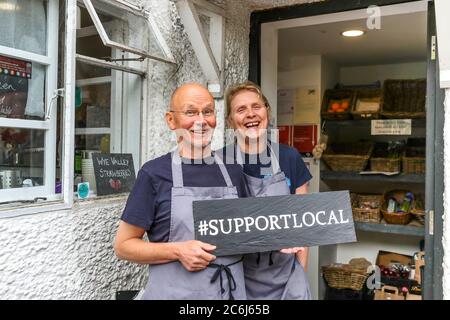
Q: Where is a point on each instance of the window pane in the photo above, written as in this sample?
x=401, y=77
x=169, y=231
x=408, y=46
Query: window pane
x=92, y=142
x=21, y=97
x=85, y=145
x=86, y=71
x=21, y=158
x=24, y=25
x=95, y=108
x=129, y=29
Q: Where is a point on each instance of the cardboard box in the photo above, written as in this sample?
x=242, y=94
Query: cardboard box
x=410, y=296
x=388, y=293
x=385, y=258
x=419, y=263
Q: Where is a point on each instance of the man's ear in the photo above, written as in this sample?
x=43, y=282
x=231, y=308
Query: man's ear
x=229, y=122
x=170, y=120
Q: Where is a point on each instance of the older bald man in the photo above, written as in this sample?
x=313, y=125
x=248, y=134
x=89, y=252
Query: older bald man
x=161, y=205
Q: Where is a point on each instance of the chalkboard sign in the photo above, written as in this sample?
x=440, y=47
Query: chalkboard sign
x=248, y=225
x=14, y=75
x=114, y=172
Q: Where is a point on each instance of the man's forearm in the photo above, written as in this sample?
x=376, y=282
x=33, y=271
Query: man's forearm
x=140, y=251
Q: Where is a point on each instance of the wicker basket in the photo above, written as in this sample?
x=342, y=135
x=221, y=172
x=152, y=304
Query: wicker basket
x=367, y=95
x=345, y=276
x=366, y=207
x=414, y=165
x=414, y=160
x=385, y=164
x=404, y=98
x=348, y=156
x=331, y=95
x=395, y=217
x=418, y=209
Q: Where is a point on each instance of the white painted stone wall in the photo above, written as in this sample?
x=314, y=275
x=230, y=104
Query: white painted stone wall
x=69, y=254
x=65, y=255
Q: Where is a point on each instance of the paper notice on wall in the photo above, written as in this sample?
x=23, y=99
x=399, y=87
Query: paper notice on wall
x=285, y=106
x=307, y=105
x=401, y=127
x=285, y=101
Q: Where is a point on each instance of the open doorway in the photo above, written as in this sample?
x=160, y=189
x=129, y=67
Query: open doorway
x=309, y=54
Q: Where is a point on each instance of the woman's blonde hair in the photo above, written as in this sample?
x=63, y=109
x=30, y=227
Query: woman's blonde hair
x=245, y=86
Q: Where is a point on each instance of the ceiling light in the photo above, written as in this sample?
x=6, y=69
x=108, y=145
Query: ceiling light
x=352, y=33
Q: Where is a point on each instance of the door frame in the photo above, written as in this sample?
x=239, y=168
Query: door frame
x=263, y=36
x=433, y=272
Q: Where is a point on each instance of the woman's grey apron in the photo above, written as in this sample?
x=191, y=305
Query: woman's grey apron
x=224, y=277
x=273, y=275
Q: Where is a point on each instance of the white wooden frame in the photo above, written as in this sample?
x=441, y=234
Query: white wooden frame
x=442, y=9
x=50, y=60
x=113, y=44
x=121, y=139
x=210, y=54
x=68, y=115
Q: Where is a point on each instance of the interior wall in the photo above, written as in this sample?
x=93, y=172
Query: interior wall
x=370, y=74
x=369, y=243
x=306, y=71
x=330, y=75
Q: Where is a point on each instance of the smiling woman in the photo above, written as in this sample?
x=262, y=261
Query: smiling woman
x=248, y=113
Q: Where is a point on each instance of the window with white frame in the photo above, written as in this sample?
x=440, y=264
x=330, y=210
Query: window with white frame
x=100, y=110
x=112, y=43
x=28, y=80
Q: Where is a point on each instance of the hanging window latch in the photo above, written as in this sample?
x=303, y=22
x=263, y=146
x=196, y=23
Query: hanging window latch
x=57, y=93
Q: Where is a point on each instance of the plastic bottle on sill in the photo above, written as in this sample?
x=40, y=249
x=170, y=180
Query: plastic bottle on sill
x=104, y=144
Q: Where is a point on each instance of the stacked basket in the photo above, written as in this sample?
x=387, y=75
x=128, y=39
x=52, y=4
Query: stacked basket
x=348, y=156
x=404, y=99
x=366, y=207
x=347, y=276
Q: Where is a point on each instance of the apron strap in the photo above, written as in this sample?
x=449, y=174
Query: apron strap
x=230, y=278
x=274, y=160
x=224, y=170
x=177, y=172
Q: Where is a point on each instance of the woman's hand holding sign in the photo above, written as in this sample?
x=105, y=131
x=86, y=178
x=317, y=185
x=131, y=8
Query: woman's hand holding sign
x=293, y=250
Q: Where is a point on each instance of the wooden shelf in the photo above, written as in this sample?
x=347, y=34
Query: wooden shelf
x=355, y=176
x=391, y=228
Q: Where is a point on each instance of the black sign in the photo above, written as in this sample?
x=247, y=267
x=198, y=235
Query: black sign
x=14, y=75
x=248, y=225
x=13, y=96
x=114, y=172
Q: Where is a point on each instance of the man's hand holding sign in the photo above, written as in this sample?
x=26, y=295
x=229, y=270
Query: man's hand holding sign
x=248, y=225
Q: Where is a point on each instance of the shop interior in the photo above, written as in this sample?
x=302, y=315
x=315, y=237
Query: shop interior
x=330, y=88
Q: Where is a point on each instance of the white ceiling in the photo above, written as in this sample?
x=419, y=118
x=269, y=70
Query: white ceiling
x=402, y=38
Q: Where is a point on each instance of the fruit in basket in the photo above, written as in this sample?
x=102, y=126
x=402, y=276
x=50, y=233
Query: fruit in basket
x=340, y=110
x=345, y=104
x=335, y=106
